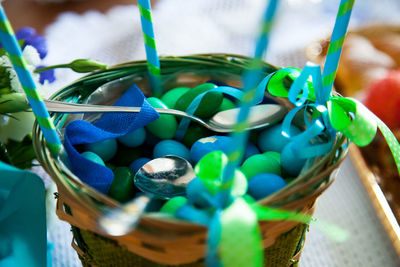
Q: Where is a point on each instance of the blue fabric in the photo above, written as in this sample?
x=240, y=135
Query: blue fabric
x=110, y=125
x=22, y=218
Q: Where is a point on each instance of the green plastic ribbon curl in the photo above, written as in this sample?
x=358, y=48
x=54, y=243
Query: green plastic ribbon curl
x=346, y=115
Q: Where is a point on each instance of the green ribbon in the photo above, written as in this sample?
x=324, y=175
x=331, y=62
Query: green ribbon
x=353, y=119
x=346, y=115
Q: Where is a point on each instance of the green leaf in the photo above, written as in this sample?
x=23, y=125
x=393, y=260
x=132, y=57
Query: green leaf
x=20, y=154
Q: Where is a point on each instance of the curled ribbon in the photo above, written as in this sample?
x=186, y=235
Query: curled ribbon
x=329, y=113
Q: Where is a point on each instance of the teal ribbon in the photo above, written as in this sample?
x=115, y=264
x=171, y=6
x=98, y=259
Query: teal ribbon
x=332, y=114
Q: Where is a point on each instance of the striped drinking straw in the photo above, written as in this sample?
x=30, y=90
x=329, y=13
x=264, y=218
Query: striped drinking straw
x=8, y=40
x=335, y=47
x=250, y=79
x=153, y=63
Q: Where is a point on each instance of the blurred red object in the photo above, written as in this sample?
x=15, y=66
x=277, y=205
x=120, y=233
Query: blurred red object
x=383, y=99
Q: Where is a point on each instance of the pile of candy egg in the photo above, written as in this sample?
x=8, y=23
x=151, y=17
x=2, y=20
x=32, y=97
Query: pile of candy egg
x=268, y=162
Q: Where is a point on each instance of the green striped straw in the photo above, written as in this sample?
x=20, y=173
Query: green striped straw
x=335, y=47
x=250, y=79
x=9, y=41
x=153, y=63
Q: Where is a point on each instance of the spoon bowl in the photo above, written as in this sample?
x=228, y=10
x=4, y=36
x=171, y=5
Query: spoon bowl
x=163, y=177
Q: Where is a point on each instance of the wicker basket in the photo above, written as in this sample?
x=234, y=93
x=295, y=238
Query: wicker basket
x=158, y=241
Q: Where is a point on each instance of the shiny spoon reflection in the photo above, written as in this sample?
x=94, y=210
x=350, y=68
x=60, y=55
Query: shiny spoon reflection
x=163, y=177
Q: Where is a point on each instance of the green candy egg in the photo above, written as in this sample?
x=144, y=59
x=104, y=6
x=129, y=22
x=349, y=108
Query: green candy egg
x=226, y=104
x=194, y=133
x=125, y=155
x=110, y=166
x=261, y=163
x=170, y=97
x=165, y=126
x=274, y=155
x=208, y=105
x=122, y=188
x=173, y=204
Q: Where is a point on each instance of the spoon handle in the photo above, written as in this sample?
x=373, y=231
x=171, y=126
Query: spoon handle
x=65, y=107
x=123, y=219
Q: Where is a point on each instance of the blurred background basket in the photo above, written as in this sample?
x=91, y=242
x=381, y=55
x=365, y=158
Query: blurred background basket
x=158, y=241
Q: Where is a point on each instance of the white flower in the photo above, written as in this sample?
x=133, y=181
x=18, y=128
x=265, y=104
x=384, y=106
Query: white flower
x=31, y=55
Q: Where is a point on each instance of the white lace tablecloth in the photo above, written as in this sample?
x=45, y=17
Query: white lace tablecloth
x=206, y=26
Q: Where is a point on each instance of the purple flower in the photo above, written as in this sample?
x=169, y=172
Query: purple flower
x=47, y=75
x=38, y=42
x=25, y=33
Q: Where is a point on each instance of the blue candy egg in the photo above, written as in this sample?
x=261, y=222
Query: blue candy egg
x=272, y=139
x=197, y=193
x=138, y=163
x=262, y=185
x=291, y=163
x=205, y=145
x=134, y=138
x=106, y=149
x=171, y=147
x=251, y=150
x=93, y=157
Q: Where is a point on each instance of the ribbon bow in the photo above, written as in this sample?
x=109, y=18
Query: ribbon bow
x=330, y=113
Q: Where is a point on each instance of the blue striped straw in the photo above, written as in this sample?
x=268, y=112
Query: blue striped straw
x=335, y=47
x=153, y=62
x=250, y=79
x=9, y=42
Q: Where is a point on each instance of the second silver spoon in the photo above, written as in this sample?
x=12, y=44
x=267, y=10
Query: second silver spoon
x=222, y=122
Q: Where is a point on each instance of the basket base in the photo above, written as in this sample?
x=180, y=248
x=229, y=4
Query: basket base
x=96, y=250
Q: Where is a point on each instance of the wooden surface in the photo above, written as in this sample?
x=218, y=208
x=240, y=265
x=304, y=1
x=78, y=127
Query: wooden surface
x=39, y=13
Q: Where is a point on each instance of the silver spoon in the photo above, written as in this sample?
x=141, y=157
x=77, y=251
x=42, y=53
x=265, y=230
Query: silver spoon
x=164, y=177
x=222, y=122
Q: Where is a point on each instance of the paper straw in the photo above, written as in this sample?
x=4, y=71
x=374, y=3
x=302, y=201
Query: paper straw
x=10, y=43
x=335, y=47
x=153, y=63
x=250, y=79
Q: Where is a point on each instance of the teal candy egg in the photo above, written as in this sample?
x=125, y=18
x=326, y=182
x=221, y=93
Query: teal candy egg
x=165, y=126
x=171, y=147
x=205, y=145
x=138, y=163
x=134, y=138
x=197, y=193
x=93, y=157
x=251, y=150
x=173, y=204
x=106, y=149
x=291, y=163
x=272, y=139
x=263, y=185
